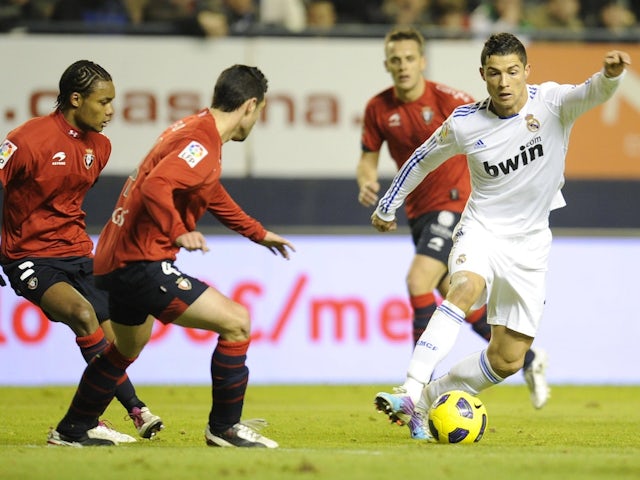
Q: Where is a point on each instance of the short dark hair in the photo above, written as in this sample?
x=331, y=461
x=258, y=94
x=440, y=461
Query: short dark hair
x=503, y=44
x=79, y=77
x=236, y=85
x=405, y=33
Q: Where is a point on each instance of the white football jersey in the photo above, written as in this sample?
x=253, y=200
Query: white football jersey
x=516, y=163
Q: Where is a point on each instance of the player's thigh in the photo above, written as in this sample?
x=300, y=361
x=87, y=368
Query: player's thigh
x=425, y=274
x=215, y=312
x=131, y=339
x=107, y=328
x=63, y=303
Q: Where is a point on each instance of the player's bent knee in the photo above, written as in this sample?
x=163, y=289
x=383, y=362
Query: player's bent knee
x=239, y=328
x=82, y=319
x=504, y=367
x=464, y=290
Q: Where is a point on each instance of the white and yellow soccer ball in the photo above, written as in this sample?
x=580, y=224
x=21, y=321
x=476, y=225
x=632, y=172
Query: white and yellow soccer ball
x=457, y=417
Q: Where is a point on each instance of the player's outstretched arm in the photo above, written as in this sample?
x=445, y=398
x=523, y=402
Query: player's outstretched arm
x=277, y=244
x=615, y=61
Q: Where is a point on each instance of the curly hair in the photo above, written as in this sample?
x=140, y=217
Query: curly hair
x=79, y=77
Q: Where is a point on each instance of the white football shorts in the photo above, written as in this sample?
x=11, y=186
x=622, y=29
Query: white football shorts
x=514, y=269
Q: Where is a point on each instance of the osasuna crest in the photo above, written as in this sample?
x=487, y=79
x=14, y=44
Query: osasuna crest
x=183, y=283
x=427, y=115
x=89, y=158
x=32, y=283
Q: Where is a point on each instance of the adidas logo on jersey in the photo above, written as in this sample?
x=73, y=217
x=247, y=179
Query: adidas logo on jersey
x=478, y=145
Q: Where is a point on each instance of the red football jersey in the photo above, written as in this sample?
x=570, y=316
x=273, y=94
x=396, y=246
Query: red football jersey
x=405, y=126
x=46, y=168
x=176, y=183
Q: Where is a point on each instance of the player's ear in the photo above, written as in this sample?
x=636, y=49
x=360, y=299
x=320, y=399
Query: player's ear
x=251, y=105
x=481, y=70
x=74, y=99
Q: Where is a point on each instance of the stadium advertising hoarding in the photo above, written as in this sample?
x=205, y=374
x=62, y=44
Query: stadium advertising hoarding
x=337, y=313
x=311, y=125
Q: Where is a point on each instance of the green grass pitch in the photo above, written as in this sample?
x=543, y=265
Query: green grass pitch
x=333, y=432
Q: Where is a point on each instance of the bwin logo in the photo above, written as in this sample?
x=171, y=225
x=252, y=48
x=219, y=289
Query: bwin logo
x=526, y=155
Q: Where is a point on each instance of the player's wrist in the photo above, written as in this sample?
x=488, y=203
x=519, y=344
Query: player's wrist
x=387, y=217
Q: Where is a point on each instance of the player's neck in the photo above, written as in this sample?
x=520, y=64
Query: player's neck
x=411, y=95
x=506, y=112
x=226, y=122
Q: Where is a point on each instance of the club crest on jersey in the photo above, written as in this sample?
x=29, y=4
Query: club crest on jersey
x=7, y=149
x=532, y=123
x=89, y=158
x=193, y=153
x=427, y=115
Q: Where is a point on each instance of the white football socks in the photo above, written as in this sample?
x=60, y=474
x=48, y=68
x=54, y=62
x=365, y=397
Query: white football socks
x=435, y=343
x=472, y=374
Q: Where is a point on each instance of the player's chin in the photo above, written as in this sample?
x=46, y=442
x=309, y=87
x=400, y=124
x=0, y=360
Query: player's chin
x=240, y=137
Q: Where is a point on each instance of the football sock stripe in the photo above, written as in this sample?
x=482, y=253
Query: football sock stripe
x=229, y=375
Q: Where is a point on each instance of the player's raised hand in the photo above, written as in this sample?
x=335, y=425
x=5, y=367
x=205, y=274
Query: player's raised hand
x=277, y=244
x=383, y=225
x=615, y=61
x=192, y=241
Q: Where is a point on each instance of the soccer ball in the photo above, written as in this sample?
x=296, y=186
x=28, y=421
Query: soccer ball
x=457, y=417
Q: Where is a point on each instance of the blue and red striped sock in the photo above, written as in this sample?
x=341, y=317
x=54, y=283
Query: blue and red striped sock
x=423, y=308
x=94, y=393
x=90, y=346
x=229, y=376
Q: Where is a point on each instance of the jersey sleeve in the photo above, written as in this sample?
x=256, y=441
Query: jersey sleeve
x=158, y=189
x=12, y=151
x=371, y=139
x=231, y=215
x=427, y=157
x=574, y=100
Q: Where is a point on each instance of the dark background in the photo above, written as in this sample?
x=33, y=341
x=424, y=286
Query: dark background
x=320, y=204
